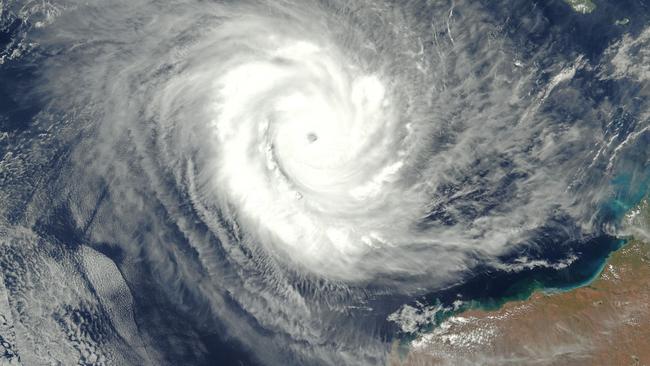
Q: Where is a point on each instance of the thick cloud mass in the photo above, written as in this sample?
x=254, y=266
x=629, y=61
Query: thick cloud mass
x=281, y=176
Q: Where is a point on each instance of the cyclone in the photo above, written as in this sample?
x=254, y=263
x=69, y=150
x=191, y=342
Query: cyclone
x=285, y=175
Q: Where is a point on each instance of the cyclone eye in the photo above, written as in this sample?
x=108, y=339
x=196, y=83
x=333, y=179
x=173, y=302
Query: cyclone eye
x=308, y=180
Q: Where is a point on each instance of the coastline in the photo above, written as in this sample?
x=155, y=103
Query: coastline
x=601, y=320
x=606, y=321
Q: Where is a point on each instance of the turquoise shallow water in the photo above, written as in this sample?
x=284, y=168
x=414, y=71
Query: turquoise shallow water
x=492, y=289
x=523, y=119
x=491, y=292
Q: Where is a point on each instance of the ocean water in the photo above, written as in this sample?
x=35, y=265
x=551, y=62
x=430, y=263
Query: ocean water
x=303, y=183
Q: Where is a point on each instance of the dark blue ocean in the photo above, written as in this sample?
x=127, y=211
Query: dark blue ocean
x=177, y=322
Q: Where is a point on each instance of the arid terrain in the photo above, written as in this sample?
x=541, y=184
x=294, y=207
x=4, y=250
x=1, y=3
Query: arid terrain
x=604, y=323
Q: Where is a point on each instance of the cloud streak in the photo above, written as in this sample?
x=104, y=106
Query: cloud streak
x=276, y=170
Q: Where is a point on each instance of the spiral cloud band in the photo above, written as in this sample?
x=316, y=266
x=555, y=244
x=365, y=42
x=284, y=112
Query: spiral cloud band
x=286, y=174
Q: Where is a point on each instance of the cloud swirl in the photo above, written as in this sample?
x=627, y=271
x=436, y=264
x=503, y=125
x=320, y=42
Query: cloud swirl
x=279, y=170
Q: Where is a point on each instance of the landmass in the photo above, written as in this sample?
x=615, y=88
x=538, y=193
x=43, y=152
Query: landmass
x=604, y=323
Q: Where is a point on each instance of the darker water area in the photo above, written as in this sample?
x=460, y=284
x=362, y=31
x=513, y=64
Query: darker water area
x=491, y=288
x=554, y=264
